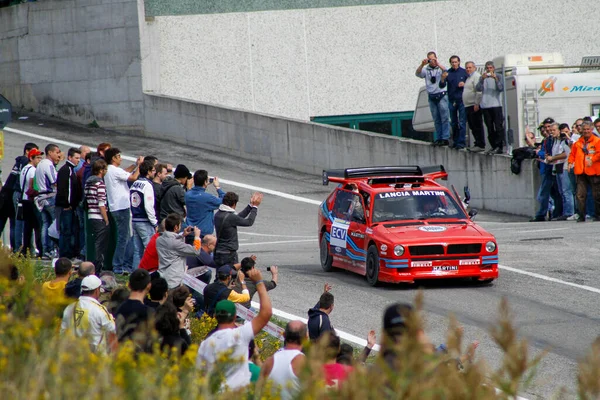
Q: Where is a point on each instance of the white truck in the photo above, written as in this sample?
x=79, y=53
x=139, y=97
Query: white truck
x=536, y=86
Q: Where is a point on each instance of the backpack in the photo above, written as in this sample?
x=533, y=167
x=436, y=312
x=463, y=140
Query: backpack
x=518, y=155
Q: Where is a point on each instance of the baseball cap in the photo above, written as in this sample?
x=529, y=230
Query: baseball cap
x=91, y=282
x=34, y=153
x=181, y=171
x=548, y=121
x=225, y=270
x=394, y=318
x=225, y=308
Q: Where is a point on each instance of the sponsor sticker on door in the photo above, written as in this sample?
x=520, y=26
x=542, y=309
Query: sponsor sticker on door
x=339, y=233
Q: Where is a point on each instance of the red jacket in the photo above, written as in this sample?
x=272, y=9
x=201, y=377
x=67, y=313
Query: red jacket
x=149, y=260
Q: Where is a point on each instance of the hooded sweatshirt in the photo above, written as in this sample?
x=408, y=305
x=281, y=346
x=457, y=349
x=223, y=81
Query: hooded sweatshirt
x=226, y=223
x=318, y=323
x=172, y=252
x=173, y=198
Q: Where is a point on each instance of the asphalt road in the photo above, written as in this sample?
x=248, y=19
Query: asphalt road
x=550, y=313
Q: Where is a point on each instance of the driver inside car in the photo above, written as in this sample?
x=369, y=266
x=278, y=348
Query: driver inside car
x=430, y=205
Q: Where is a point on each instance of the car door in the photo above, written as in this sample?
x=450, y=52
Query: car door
x=348, y=231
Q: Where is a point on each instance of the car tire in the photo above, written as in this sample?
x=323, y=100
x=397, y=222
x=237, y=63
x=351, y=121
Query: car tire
x=483, y=282
x=325, y=257
x=372, y=270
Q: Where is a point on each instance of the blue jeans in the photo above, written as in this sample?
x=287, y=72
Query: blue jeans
x=81, y=217
x=566, y=192
x=142, y=232
x=19, y=225
x=68, y=245
x=120, y=262
x=543, y=196
x=439, y=112
x=47, y=218
x=458, y=120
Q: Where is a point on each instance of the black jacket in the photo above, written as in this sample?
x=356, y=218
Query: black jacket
x=173, y=198
x=213, y=293
x=68, y=191
x=318, y=323
x=226, y=224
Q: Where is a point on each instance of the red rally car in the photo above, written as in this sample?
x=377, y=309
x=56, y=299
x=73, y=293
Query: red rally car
x=397, y=224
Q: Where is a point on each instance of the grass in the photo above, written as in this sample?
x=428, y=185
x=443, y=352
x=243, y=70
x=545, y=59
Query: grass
x=38, y=362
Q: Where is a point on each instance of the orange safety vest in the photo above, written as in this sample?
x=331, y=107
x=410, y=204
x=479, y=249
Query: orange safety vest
x=581, y=151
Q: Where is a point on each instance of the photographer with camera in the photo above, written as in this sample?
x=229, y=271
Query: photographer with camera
x=435, y=82
x=248, y=264
x=222, y=289
x=492, y=86
x=201, y=204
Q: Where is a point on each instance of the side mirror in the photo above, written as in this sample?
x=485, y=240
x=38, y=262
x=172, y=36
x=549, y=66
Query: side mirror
x=473, y=212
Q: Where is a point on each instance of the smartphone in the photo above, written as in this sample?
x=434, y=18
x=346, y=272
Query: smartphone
x=211, y=180
x=269, y=269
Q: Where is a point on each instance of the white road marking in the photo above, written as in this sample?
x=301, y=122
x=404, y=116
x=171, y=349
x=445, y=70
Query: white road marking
x=279, y=242
x=549, y=279
x=271, y=235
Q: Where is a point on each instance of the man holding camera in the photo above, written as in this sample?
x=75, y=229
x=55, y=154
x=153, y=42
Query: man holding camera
x=435, y=82
x=247, y=265
x=492, y=86
x=222, y=289
x=201, y=204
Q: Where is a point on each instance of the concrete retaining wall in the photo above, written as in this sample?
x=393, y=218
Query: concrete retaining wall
x=76, y=59
x=310, y=148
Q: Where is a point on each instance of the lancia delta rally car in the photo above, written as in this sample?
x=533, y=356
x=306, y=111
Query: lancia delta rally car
x=397, y=224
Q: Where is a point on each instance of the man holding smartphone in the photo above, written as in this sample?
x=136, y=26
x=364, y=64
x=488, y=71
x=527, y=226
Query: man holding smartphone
x=201, y=205
x=492, y=86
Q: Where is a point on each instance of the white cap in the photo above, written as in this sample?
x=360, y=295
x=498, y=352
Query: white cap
x=91, y=282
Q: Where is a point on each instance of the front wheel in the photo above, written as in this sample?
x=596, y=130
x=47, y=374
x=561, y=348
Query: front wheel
x=372, y=266
x=326, y=258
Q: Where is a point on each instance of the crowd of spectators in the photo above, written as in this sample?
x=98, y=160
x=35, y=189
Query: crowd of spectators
x=459, y=96
x=569, y=161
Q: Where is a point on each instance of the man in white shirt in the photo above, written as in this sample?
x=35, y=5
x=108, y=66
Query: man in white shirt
x=232, y=340
x=29, y=214
x=90, y=319
x=471, y=100
x=117, y=193
x=45, y=177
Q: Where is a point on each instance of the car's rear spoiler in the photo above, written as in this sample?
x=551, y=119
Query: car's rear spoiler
x=342, y=175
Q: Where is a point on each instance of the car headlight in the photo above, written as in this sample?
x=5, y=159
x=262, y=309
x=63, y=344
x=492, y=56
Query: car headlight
x=399, y=250
x=490, y=247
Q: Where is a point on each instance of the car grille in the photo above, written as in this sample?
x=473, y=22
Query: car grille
x=471, y=248
x=426, y=250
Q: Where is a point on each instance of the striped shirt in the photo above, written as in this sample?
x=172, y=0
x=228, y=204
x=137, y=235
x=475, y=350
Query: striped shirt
x=95, y=196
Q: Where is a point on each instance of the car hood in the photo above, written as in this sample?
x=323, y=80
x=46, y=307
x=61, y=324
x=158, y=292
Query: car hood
x=417, y=231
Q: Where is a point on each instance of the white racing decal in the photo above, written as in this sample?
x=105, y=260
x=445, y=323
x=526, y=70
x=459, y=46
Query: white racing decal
x=418, y=264
x=339, y=232
x=469, y=262
x=445, y=268
x=431, y=228
x=388, y=195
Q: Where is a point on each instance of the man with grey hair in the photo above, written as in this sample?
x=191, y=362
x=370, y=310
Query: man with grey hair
x=472, y=100
x=556, y=161
x=435, y=82
x=585, y=162
x=492, y=85
x=73, y=288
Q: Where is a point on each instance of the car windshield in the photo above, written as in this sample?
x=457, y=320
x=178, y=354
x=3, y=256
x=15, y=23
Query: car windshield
x=415, y=204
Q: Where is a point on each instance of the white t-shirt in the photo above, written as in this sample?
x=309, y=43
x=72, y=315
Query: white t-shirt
x=27, y=173
x=117, y=189
x=228, y=340
x=91, y=320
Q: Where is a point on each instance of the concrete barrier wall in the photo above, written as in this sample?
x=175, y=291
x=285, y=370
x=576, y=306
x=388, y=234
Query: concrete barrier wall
x=76, y=59
x=310, y=148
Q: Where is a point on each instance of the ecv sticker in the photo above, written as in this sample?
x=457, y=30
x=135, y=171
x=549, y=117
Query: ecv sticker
x=339, y=233
x=430, y=228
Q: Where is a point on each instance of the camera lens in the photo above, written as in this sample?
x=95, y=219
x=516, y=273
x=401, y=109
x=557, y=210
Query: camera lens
x=432, y=79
